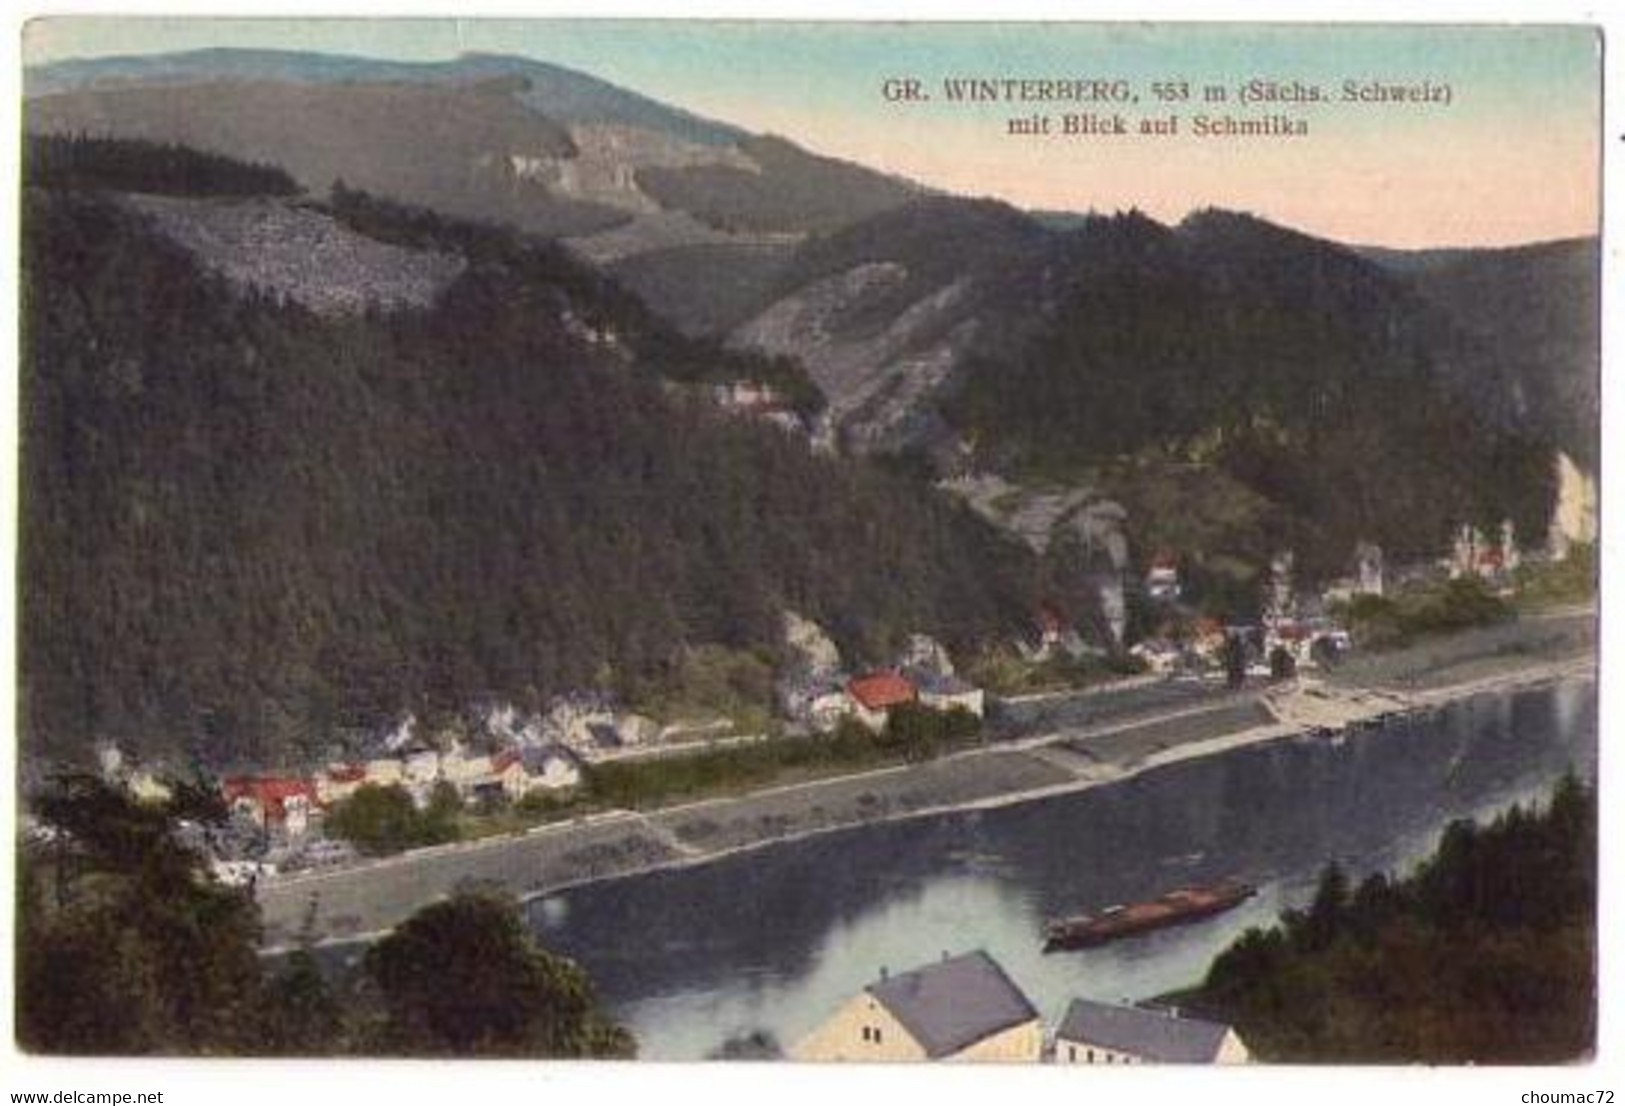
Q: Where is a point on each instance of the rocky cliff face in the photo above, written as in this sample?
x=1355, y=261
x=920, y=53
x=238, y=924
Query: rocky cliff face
x=302, y=255
x=878, y=384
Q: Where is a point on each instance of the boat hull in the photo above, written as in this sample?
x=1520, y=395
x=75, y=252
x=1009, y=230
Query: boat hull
x=1174, y=909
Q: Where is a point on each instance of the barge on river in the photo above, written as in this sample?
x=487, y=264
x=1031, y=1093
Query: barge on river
x=1188, y=904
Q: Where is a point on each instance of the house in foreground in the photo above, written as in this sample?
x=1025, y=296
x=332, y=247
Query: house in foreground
x=963, y=1008
x=1107, y=1033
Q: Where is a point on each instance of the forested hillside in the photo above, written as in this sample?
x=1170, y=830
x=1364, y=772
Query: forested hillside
x=245, y=526
x=1530, y=320
x=1485, y=954
x=1290, y=364
x=57, y=161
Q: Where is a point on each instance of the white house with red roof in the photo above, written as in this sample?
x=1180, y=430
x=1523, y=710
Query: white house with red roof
x=1162, y=578
x=874, y=695
x=282, y=803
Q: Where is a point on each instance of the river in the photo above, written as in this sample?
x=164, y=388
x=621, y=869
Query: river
x=774, y=940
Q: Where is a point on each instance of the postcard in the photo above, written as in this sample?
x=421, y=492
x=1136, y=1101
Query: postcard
x=1059, y=543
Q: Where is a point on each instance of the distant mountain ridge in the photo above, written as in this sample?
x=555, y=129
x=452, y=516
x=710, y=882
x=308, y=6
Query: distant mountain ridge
x=495, y=137
x=565, y=95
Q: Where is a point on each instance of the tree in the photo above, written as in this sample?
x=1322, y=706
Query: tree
x=1321, y=925
x=1325, y=653
x=1283, y=665
x=463, y=977
x=438, y=823
x=141, y=951
x=912, y=730
x=919, y=731
x=381, y=820
x=758, y=1044
x=301, y=1014
x=1486, y=953
x=1235, y=661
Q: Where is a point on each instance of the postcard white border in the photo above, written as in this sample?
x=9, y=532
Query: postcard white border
x=278, y=1083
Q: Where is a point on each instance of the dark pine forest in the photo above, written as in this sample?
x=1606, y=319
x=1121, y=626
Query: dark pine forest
x=246, y=528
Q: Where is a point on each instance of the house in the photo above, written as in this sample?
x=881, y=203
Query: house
x=504, y=778
x=873, y=696
x=1053, y=635
x=924, y=654
x=385, y=771
x=1296, y=637
x=1475, y=554
x=1366, y=577
x=1160, y=657
x=816, y=701
x=1106, y=1033
x=550, y=768
x=786, y=421
x=148, y=789
x=603, y=739
x=339, y=781
x=963, y=1008
x=119, y=769
x=1207, y=639
x=420, y=766
x=948, y=692
x=274, y=802
x=1162, y=579
x=463, y=767
x=747, y=396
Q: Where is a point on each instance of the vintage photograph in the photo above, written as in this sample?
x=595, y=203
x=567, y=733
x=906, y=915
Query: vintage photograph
x=1039, y=543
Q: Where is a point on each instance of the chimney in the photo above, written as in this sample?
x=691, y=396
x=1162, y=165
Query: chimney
x=884, y=974
x=944, y=954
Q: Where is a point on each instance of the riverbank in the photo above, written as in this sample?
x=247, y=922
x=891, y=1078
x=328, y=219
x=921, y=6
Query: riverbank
x=355, y=903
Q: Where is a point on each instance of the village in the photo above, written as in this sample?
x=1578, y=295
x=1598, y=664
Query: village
x=499, y=759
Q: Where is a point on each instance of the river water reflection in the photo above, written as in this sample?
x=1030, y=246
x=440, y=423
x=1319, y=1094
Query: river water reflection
x=776, y=939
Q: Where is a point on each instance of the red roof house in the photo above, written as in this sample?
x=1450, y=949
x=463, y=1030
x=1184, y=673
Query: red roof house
x=271, y=798
x=879, y=692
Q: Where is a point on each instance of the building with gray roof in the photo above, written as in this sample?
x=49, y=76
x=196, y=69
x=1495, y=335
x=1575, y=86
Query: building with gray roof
x=960, y=1008
x=1105, y=1033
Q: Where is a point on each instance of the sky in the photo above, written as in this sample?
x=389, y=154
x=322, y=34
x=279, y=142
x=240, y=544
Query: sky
x=1512, y=158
